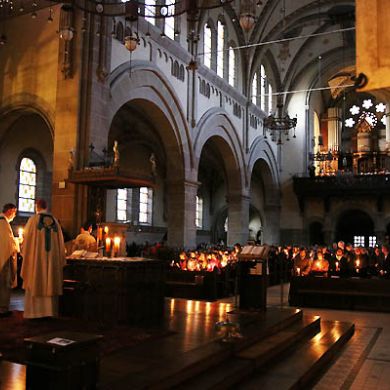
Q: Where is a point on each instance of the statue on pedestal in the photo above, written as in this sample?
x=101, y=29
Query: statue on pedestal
x=153, y=163
x=116, y=154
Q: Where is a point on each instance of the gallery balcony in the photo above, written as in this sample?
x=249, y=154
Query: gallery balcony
x=342, y=186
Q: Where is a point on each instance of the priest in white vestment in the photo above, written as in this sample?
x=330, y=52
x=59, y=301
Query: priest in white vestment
x=8, y=249
x=43, y=261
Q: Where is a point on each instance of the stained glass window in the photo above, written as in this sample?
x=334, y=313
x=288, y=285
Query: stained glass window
x=27, y=185
x=145, y=205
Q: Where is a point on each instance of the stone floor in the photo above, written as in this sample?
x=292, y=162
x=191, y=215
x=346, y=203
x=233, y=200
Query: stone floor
x=364, y=363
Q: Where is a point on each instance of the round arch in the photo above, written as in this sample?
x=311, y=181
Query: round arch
x=353, y=222
x=261, y=150
x=215, y=124
x=147, y=87
x=330, y=221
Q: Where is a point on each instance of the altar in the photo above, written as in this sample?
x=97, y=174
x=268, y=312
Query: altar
x=114, y=290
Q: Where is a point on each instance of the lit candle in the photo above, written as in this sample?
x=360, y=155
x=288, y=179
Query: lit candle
x=20, y=232
x=298, y=271
x=318, y=264
x=117, y=244
x=106, y=229
x=357, y=263
x=100, y=233
x=337, y=265
x=108, y=245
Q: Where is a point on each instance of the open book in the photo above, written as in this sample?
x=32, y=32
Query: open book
x=254, y=252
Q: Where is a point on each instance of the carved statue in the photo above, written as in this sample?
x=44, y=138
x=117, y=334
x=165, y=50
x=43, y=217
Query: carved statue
x=116, y=154
x=70, y=161
x=153, y=164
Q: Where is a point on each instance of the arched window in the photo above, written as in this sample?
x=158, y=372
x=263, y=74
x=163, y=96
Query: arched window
x=263, y=81
x=150, y=11
x=27, y=185
x=199, y=213
x=145, y=205
x=207, y=45
x=220, y=48
x=121, y=204
x=254, y=89
x=232, y=67
x=270, y=97
x=169, y=25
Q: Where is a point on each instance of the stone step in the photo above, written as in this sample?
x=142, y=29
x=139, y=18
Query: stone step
x=171, y=372
x=244, y=362
x=302, y=366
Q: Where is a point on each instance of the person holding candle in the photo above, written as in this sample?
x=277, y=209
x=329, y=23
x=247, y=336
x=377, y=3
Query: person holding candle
x=302, y=263
x=43, y=262
x=8, y=249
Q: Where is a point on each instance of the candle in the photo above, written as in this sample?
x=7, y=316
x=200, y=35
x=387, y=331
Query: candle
x=318, y=265
x=100, y=233
x=106, y=229
x=357, y=263
x=20, y=232
x=108, y=245
x=298, y=271
x=117, y=244
x=337, y=265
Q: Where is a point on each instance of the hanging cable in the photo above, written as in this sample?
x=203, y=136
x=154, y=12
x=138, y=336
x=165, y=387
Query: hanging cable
x=285, y=40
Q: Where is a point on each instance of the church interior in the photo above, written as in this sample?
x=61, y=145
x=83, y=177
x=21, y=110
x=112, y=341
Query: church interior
x=192, y=133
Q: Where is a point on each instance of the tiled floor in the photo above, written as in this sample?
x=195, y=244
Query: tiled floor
x=364, y=363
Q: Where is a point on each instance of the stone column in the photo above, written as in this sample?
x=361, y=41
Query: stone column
x=271, y=230
x=67, y=204
x=181, y=213
x=238, y=222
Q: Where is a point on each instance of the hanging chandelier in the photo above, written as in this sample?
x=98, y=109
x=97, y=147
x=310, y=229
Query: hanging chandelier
x=279, y=125
x=130, y=8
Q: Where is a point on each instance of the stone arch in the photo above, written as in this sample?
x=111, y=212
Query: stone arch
x=311, y=224
x=264, y=187
x=21, y=104
x=332, y=217
x=25, y=131
x=148, y=86
x=261, y=150
x=216, y=124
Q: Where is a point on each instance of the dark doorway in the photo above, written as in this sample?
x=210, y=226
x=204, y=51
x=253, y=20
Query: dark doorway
x=354, y=223
x=316, y=234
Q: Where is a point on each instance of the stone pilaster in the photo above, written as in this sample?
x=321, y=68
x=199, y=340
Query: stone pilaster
x=181, y=213
x=67, y=198
x=271, y=230
x=238, y=214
